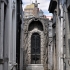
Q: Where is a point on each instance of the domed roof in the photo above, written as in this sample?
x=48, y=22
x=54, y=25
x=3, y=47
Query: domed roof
x=31, y=6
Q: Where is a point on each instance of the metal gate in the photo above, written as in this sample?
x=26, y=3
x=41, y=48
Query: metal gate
x=35, y=49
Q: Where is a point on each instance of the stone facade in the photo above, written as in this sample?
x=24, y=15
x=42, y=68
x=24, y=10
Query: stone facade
x=66, y=33
x=27, y=39
x=50, y=46
x=61, y=33
x=57, y=25
x=10, y=22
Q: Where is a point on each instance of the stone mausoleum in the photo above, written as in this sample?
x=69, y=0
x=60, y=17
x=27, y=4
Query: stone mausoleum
x=35, y=39
x=35, y=43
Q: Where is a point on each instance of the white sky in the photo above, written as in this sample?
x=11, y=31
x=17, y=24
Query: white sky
x=44, y=5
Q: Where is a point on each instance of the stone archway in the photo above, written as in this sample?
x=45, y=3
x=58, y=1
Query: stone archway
x=42, y=43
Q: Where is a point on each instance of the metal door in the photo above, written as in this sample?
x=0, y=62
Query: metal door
x=35, y=49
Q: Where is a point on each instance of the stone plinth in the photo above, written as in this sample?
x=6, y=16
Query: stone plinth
x=35, y=67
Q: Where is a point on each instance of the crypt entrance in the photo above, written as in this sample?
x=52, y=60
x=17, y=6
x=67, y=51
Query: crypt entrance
x=35, y=49
x=35, y=43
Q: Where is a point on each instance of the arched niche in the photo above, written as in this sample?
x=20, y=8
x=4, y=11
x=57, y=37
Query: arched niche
x=35, y=24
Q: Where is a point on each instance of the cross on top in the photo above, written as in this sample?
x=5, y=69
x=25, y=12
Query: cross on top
x=35, y=1
x=36, y=4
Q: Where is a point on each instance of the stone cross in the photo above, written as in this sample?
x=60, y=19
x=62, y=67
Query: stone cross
x=36, y=4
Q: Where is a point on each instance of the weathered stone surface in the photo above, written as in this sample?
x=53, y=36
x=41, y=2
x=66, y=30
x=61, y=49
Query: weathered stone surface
x=35, y=67
x=43, y=41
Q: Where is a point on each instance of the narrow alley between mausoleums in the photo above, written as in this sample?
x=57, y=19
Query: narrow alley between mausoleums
x=34, y=34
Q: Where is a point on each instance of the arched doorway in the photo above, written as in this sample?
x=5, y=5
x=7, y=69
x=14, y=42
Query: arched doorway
x=35, y=49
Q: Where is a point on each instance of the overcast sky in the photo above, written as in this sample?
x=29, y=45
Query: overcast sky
x=44, y=5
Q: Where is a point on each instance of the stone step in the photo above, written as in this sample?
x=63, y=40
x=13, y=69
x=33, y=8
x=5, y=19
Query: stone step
x=35, y=67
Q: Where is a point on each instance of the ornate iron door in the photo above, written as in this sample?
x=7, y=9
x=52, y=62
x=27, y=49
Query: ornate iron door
x=35, y=49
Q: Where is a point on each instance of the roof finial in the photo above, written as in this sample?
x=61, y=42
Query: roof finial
x=36, y=4
x=36, y=1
